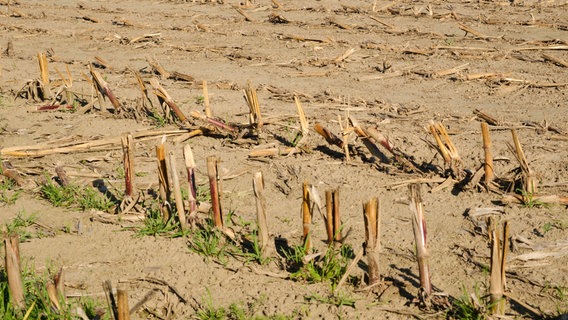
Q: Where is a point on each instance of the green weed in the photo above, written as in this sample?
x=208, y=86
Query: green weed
x=38, y=304
x=84, y=198
x=209, y=242
x=238, y=311
x=329, y=267
x=154, y=225
x=465, y=308
x=8, y=192
x=19, y=225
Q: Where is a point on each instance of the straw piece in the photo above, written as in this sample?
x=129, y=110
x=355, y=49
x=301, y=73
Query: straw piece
x=272, y=152
x=336, y=218
x=329, y=216
x=215, y=191
x=555, y=60
x=447, y=149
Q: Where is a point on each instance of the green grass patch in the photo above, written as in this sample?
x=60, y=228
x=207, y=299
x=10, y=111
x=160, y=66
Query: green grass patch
x=74, y=196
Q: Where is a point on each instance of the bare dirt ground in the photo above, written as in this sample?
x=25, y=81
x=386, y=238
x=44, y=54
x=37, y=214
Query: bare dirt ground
x=392, y=65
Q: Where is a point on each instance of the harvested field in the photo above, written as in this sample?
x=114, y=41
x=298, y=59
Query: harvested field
x=448, y=112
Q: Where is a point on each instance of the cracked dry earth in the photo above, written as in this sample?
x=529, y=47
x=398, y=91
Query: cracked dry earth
x=395, y=66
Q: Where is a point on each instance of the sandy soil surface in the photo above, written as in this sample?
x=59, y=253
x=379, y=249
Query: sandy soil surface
x=396, y=66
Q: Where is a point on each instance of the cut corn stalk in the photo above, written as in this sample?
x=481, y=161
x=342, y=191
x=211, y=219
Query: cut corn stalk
x=328, y=135
x=164, y=182
x=208, y=113
x=306, y=217
x=489, y=173
x=103, y=87
x=14, y=270
x=251, y=98
x=529, y=181
x=215, y=191
x=177, y=191
x=264, y=240
x=163, y=95
x=192, y=191
x=422, y=255
x=372, y=218
x=498, y=256
x=447, y=149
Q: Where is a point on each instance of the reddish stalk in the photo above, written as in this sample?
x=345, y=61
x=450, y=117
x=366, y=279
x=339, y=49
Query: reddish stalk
x=215, y=191
x=306, y=217
x=128, y=162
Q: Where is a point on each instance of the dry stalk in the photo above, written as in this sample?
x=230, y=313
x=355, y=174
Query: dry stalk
x=529, y=181
x=143, y=90
x=497, y=280
x=111, y=299
x=447, y=149
x=53, y=295
x=177, y=191
x=13, y=269
x=164, y=182
x=372, y=218
x=208, y=113
x=122, y=304
x=255, y=117
x=329, y=136
x=163, y=95
x=103, y=87
x=211, y=122
x=306, y=217
x=489, y=173
x=128, y=161
x=44, y=75
x=62, y=176
x=264, y=240
x=422, y=255
x=157, y=68
x=332, y=218
x=215, y=191
x=272, y=152
x=487, y=118
x=192, y=190
x=329, y=216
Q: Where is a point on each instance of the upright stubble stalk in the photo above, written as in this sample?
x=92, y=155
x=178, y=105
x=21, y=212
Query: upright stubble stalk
x=419, y=226
x=372, y=241
x=306, y=217
x=489, y=174
x=215, y=191
x=190, y=167
x=258, y=187
x=128, y=161
x=164, y=181
x=497, y=280
x=177, y=191
x=13, y=270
